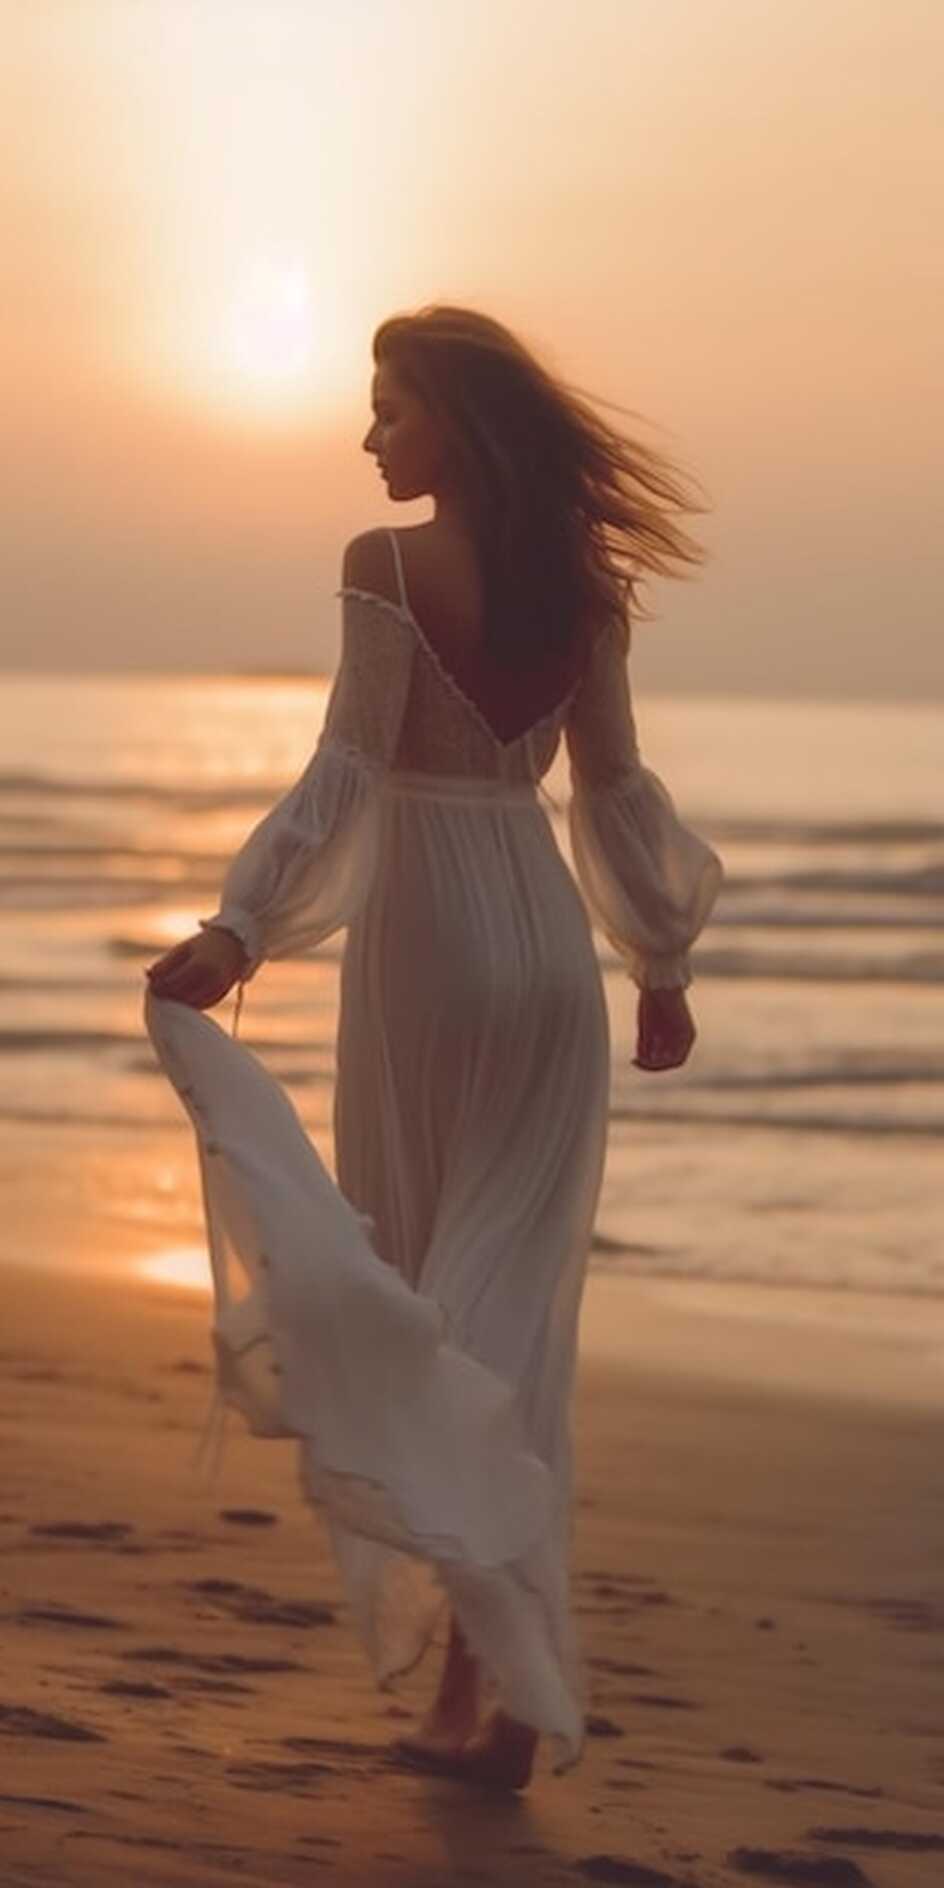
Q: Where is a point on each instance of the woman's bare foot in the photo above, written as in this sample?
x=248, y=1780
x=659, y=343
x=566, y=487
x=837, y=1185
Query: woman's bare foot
x=501, y=1755
x=444, y=1729
x=454, y=1713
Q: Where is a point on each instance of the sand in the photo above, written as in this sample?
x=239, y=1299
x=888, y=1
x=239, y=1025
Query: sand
x=759, y=1578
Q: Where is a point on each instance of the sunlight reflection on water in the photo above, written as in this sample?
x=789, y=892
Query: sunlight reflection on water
x=177, y=1265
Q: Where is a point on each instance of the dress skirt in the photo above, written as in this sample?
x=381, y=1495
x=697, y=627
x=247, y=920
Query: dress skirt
x=414, y=1321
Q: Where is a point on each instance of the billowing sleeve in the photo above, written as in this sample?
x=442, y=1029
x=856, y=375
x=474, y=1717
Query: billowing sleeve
x=305, y=870
x=649, y=881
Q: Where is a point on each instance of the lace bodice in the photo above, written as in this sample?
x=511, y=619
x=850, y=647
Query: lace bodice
x=441, y=729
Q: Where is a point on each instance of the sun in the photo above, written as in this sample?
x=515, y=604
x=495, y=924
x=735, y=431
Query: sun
x=270, y=331
x=254, y=339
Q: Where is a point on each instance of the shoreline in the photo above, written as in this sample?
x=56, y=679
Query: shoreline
x=844, y=1346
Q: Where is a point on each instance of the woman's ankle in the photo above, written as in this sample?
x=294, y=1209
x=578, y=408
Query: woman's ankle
x=502, y=1728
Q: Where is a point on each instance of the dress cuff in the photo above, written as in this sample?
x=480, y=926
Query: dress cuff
x=668, y=971
x=243, y=926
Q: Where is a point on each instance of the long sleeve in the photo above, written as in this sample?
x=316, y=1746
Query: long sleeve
x=648, y=880
x=306, y=868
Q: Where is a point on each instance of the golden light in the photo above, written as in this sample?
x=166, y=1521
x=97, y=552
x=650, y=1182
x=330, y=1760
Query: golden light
x=271, y=325
x=172, y=925
x=178, y=1265
x=249, y=342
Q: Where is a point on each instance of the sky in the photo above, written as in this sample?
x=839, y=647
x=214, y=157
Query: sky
x=722, y=215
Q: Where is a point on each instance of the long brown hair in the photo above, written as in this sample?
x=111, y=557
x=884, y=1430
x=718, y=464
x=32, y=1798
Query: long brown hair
x=567, y=512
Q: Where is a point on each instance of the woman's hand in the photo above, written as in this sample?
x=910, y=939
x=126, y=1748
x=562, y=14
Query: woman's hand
x=200, y=970
x=665, y=1029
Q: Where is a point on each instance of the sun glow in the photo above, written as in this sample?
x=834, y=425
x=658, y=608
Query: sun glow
x=271, y=324
x=178, y=1265
x=257, y=344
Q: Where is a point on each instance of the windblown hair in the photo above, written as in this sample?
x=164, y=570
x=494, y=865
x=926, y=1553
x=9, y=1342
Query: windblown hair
x=567, y=512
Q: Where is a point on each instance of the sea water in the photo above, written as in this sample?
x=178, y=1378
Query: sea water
x=801, y=1141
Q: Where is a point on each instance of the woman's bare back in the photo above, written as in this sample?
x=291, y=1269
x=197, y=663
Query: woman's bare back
x=442, y=580
x=444, y=585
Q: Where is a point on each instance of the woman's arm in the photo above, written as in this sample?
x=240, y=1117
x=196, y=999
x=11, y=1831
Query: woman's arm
x=650, y=882
x=305, y=869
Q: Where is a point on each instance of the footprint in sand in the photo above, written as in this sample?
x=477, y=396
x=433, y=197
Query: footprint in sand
x=620, y=1670
x=905, y=1841
x=129, y=1688
x=615, y=1868
x=255, y=1607
x=660, y=1702
x=617, y=1579
x=19, y=1720
x=796, y=1871
x=789, y=1784
x=904, y=1611
x=83, y=1530
x=342, y=1747
x=217, y=1663
x=214, y=1687
x=45, y=1802
x=56, y=1615
x=291, y=1779
x=653, y=1596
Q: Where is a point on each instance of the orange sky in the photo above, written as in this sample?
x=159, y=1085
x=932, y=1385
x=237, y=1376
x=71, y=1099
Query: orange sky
x=720, y=214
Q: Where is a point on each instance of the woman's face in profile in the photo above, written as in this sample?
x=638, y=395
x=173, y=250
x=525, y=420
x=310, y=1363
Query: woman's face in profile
x=403, y=437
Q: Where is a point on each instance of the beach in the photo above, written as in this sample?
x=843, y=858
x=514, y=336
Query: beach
x=758, y=1542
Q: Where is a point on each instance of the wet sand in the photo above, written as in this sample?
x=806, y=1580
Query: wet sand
x=758, y=1554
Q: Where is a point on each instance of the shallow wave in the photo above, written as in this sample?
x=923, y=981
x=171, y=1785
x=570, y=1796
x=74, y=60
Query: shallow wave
x=854, y=1068
x=119, y=945
x=788, y=962
x=746, y=898
x=64, y=847
x=842, y=917
x=807, y=1122
x=92, y=894
x=15, y=1041
x=764, y=831
x=720, y=828
x=213, y=794
x=63, y=863
x=917, y=967
x=889, y=880
x=867, y=1069
x=810, y=1120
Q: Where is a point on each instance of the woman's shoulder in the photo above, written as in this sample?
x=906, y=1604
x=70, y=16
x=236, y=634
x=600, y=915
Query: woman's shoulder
x=368, y=564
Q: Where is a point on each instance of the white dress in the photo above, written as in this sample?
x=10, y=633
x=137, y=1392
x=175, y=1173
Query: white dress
x=414, y=1324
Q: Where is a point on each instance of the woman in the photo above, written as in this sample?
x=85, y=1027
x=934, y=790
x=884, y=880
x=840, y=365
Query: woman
x=420, y=1318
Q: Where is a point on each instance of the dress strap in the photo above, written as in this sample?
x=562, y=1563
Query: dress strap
x=398, y=560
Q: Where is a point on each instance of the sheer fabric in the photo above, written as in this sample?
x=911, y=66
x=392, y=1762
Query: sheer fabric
x=413, y=1322
x=305, y=869
x=649, y=881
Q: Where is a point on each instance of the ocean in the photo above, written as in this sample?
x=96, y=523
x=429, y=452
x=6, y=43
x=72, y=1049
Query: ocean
x=800, y=1143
